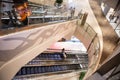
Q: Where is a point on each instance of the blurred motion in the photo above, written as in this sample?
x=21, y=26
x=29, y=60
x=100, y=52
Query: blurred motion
x=24, y=11
x=17, y=11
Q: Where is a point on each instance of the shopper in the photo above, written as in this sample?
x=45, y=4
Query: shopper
x=23, y=10
x=73, y=12
x=64, y=53
x=7, y=8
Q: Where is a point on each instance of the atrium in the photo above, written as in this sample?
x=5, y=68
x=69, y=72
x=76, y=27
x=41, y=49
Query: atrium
x=59, y=39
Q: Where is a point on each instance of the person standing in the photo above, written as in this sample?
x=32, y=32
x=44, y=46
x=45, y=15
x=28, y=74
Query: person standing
x=73, y=12
x=23, y=10
x=80, y=14
x=64, y=53
x=7, y=7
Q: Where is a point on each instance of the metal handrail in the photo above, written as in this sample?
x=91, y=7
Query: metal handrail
x=95, y=42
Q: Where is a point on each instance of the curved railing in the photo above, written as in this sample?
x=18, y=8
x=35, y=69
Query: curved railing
x=93, y=46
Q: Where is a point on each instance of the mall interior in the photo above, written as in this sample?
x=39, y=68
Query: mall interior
x=60, y=40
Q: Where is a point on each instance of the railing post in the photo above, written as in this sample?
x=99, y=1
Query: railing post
x=84, y=18
x=86, y=29
x=91, y=42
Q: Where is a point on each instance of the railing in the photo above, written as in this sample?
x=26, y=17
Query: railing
x=93, y=48
x=94, y=45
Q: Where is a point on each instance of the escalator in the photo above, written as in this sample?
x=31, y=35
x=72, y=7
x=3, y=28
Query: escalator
x=46, y=69
x=52, y=63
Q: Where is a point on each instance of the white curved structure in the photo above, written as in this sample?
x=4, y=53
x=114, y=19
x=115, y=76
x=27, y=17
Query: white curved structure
x=19, y=48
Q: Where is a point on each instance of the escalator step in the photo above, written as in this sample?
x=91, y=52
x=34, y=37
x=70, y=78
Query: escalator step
x=28, y=70
x=32, y=70
x=39, y=70
x=52, y=68
x=43, y=69
x=55, y=68
x=36, y=70
x=23, y=71
x=56, y=57
x=49, y=69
